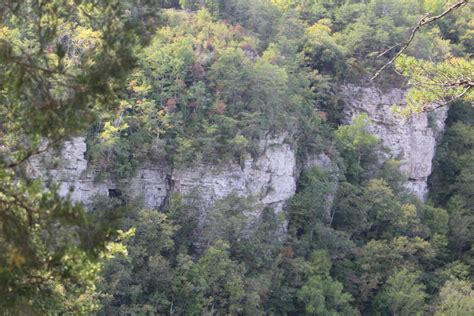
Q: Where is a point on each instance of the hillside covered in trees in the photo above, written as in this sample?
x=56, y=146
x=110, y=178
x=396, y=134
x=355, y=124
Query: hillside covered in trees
x=230, y=158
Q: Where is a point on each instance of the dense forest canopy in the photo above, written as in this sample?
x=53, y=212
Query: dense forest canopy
x=204, y=82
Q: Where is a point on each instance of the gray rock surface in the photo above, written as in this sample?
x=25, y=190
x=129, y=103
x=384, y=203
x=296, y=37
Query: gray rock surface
x=69, y=170
x=412, y=140
x=271, y=178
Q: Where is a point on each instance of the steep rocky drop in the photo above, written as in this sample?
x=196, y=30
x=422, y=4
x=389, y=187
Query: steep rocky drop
x=271, y=178
x=412, y=139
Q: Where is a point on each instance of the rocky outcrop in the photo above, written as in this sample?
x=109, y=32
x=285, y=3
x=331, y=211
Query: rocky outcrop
x=270, y=178
x=412, y=140
x=69, y=170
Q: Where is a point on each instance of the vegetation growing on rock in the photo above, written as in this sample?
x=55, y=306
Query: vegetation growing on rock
x=189, y=83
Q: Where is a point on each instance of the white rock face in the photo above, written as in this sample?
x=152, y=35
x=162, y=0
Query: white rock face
x=152, y=184
x=70, y=172
x=412, y=140
x=271, y=178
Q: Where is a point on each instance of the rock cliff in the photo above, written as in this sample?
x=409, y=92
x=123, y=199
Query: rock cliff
x=271, y=178
x=412, y=140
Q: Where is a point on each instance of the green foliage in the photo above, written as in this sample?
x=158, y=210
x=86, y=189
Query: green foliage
x=401, y=295
x=63, y=64
x=226, y=221
x=350, y=210
x=454, y=162
x=145, y=269
x=456, y=298
x=207, y=87
x=203, y=90
x=461, y=222
x=445, y=76
x=437, y=219
x=357, y=145
x=159, y=274
x=309, y=216
x=391, y=174
x=220, y=282
x=451, y=180
x=51, y=251
x=382, y=207
x=321, y=50
x=308, y=205
x=377, y=260
x=436, y=83
x=321, y=295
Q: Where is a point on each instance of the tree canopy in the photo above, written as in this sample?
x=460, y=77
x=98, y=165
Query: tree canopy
x=205, y=83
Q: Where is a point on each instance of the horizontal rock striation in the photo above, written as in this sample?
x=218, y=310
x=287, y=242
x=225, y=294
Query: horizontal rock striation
x=270, y=178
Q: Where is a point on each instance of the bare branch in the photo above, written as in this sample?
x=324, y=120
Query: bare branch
x=426, y=19
x=428, y=108
x=388, y=50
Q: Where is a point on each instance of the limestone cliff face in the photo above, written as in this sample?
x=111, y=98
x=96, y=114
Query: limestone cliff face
x=412, y=140
x=270, y=178
x=69, y=171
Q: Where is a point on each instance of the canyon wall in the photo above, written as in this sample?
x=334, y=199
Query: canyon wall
x=271, y=178
x=411, y=139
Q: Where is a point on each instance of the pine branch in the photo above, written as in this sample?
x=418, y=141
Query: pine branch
x=426, y=19
x=428, y=108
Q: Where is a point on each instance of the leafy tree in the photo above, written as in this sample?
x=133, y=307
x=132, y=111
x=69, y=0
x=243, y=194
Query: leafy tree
x=308, y=206
x=401, y=295
x=377, y=260
x=453, y=164
x=437, y=219
x=309, y=217
x=409, y=222
x=140, y=281
x=185, y=218
x=438, y=82
x=356, y=144
x=209, y=87
x=382, y=208
x=260, y=249
x=259, y=17
x=321, y=295
x=350, y=210
x=60, y=61
x=226, y=221
x=321, y=50
x=219, y=282
x=461, y=222
x=202, y=92
x=456, y=298
x=452, y=270
x=391, y=174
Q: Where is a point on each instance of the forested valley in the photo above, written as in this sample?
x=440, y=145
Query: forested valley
x=231, y=162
